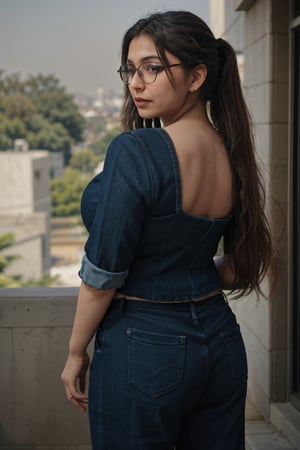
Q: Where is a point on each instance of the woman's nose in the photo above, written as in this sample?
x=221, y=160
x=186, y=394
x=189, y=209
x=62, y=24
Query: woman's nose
x=136, y=81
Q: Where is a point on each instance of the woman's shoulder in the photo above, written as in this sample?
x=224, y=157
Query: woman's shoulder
x=145, y=146
x=123, y=143
x=136, y=149
x=149, y=141
x=133, y=137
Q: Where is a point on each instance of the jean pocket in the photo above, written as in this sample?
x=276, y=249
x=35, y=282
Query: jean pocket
x=235, y=347
x=155, y=361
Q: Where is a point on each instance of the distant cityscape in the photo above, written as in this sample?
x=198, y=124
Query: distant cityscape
x=106, y=104
x=45, y=244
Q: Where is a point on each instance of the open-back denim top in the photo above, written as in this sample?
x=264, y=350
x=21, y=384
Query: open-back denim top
x=140, y=239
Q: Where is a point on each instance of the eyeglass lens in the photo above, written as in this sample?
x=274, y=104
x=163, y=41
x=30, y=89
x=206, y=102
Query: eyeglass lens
x=147, y=72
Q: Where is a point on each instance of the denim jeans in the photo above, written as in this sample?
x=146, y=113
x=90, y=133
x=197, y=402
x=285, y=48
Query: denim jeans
x=168, y=376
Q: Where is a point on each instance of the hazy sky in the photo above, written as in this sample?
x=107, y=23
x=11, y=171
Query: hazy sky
x=79, y=41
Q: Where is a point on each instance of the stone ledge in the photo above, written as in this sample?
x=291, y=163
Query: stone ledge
x=40, y=292
x=269, y=441
x=287, y=420
x=261, y=435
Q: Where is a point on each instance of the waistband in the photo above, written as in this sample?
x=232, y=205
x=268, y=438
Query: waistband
x=172, y=302
x=124, y=303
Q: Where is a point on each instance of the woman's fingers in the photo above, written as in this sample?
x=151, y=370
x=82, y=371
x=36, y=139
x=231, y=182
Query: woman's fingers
x=80, y=402
x=74, y=373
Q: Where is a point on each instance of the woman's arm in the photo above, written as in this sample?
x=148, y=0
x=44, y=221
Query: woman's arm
x=225, y=268
x=116, y=212
x=92, y=305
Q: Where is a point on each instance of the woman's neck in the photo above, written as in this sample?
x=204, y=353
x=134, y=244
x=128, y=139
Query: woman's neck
x=194, y=112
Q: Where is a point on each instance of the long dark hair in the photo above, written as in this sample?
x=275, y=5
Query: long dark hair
x=187, y=37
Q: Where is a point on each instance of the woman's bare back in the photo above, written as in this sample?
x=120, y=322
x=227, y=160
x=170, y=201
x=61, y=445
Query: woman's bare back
x=205, y=172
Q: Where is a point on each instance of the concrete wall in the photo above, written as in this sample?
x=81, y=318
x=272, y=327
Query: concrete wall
x=263, y=29
x=32, y=247
x=25, y=210
x=227, y=23
x=40, y=181
x=24, y=182
x=56, y=164
x=34, y=330
x=266, y=80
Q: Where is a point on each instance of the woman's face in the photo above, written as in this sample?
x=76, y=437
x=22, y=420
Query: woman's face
x=160, y=98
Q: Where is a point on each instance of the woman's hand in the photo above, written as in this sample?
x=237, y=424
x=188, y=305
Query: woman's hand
x=92, y=305
x=74, y=379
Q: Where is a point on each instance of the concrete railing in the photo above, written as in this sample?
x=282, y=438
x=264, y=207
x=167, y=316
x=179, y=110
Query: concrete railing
x=35, y=326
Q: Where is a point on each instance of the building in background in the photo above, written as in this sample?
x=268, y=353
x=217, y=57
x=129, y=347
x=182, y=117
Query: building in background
x=267, y=35
x=25, y=209
x=56, y=162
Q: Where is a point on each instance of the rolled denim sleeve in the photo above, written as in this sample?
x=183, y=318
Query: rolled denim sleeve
x=99, y=278
x=123, y=197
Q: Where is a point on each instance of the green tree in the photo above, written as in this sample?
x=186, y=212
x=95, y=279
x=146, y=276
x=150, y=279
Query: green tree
x=41, y=111
x=100, y=145
x=66, y=193
x=50, y=136
x=85, y=161
x=10, y=85
x=18, y=106
x=10, y=129
x=6, y=240
x=55, y=104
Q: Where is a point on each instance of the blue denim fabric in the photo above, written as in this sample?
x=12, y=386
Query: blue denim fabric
x=99, y=278
x=133, y=212
x=167, y=376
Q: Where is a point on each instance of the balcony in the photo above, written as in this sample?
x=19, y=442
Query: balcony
x=35, y=326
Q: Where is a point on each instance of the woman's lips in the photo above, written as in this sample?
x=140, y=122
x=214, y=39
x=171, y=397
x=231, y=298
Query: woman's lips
x=141, y=102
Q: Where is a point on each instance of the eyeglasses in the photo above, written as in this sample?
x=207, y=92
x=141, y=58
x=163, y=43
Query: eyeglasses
x=147, y=72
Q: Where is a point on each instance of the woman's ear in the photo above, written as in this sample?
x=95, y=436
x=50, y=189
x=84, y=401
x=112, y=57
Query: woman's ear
x=198, y=77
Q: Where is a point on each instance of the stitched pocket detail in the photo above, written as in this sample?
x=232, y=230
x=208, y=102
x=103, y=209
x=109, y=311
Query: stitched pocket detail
x=98, y=344
x=155, y=361
x=235, y=347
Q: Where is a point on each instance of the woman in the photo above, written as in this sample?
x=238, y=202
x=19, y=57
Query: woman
x=169, y=367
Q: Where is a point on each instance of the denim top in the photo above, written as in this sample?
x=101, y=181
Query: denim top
x=140, y=240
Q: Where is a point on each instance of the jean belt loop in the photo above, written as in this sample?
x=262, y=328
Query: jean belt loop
x=193, y=311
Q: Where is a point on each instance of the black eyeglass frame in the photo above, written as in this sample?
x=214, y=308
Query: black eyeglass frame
x=163, y=67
